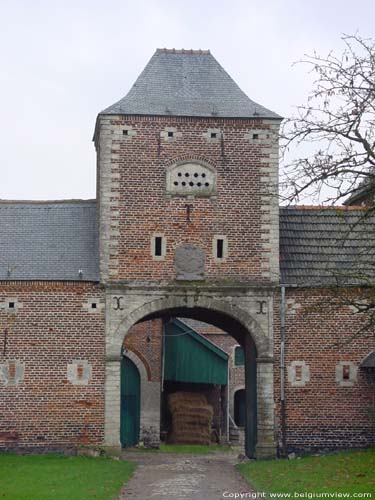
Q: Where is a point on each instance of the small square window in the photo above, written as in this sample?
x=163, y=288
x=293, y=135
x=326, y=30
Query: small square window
x=11, y=305
x=125, y=132
x=170, y=133
x=255, y=136
x=93, y=305
x=213, y=135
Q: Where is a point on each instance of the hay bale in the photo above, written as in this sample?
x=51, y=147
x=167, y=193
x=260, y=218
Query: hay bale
x=191, y=418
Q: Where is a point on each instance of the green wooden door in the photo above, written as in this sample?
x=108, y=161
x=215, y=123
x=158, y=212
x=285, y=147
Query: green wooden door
x=130, y=403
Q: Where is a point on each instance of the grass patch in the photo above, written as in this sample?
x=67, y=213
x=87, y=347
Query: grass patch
x=197, y=449
x=47, y=477
x=346, y=472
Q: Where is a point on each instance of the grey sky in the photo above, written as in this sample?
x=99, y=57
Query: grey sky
x=63, y=62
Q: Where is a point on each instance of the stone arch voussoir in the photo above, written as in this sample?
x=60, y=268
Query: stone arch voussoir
x=143, y=373
x=187, y=301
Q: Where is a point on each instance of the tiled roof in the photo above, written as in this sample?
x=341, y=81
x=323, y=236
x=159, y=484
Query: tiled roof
x=187, y=83
x=48, y=240
x=326, y=246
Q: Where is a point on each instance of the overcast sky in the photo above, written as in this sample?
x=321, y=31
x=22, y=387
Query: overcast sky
x=63, y=62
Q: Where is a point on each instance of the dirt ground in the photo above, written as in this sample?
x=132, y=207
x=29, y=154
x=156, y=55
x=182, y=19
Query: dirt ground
x=184, y=476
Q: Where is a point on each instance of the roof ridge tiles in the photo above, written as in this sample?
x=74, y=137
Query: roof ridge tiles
x=47, y=202
x=344, y=208
x=183, y=51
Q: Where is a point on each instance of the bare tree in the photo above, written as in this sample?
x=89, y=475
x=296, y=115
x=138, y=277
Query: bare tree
x=331, y=141
x=335, y=129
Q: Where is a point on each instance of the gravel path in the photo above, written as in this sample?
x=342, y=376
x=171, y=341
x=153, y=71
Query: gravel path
x=164, y=476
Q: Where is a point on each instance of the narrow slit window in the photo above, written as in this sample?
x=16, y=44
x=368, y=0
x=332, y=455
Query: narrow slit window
x=219, y=248
x=158, y=246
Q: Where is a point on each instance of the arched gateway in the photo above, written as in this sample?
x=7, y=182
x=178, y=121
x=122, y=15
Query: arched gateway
x=188, y=222
x=233, y=310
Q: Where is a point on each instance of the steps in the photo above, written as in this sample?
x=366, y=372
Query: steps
x=237, y=436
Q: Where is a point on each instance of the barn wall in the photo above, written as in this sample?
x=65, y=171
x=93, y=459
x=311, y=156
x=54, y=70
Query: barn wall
x=323, y=411
x=51, y=365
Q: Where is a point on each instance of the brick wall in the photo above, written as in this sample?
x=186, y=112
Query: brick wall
x=55, y=336
x=145, y=340
x=322, y=412
x=134, y=205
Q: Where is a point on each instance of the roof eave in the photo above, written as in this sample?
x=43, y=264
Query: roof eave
x=214, y=117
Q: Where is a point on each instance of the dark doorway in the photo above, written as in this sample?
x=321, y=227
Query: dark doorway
x=240, y=408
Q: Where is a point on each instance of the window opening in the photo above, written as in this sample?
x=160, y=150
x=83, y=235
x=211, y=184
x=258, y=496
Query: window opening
x=239, y=356
x=219, y=248
x=255, y=136
x=125, y=132
x=158, y=246
x=170, y=133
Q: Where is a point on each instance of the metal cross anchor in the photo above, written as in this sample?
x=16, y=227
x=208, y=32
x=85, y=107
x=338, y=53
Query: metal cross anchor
x=262, y=305
x=118, y=303
x=189, y=210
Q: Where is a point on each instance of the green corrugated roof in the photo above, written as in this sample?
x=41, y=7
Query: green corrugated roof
x=190, y=357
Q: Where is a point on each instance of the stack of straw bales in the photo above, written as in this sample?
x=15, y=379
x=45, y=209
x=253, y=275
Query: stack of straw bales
x=191, y=418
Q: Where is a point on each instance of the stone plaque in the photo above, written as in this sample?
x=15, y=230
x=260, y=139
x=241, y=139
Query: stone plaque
x=189, y=262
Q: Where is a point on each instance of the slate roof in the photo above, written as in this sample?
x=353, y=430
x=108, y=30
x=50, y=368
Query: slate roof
x=187, y=83
x=369, y=361
x=327, y=246
x=48, y=240
x=54, y=240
